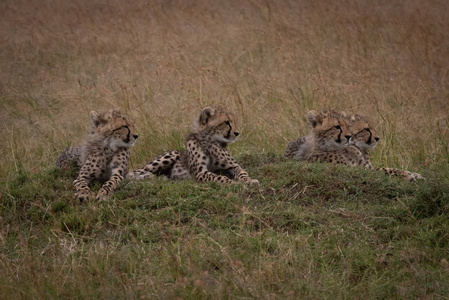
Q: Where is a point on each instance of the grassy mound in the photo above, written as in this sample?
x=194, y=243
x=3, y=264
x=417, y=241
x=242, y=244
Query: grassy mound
x=309, y=230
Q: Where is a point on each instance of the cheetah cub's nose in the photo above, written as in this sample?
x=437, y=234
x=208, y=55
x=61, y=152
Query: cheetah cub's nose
x=347, y=137
x=135, y=136
x=236, y=133
x=377, y=139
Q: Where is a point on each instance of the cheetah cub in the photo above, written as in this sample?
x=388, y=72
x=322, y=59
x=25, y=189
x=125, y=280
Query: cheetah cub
x=330, y=131
x=104, y=156
x=365, y=139
x=205, y=152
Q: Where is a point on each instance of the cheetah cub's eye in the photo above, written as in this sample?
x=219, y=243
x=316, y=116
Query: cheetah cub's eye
x=125, y=126
x=228, y=123
x=337, y=127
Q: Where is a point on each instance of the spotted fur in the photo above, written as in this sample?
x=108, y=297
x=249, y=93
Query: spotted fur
x=104, y=156
x=294, y=146
x=205, y=155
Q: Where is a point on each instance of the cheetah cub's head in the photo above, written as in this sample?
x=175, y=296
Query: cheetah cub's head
x=363, y=134
x=330, y=129
x=114, y=129
x=216, y=124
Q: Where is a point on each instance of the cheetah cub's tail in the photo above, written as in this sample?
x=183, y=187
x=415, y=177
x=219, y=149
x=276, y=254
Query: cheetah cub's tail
x=68, y=157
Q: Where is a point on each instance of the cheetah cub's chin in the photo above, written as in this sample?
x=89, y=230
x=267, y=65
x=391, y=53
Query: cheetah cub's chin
x=223, y=139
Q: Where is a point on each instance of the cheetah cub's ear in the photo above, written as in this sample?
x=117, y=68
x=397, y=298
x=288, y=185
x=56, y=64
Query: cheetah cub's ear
x=116, y=113
x=206, y=114
x=314, y=118
x=96, y=118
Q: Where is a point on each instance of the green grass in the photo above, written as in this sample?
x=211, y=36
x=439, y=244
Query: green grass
x=309, y=230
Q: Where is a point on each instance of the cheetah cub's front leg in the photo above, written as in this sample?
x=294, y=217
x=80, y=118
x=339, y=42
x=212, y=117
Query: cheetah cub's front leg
x=241, y=175
x=223, y=160
x=119, y=166
x=81, y=183
x=198, y=163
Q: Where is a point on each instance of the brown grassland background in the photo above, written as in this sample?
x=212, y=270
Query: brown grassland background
x=315, y=231
x=268, y=61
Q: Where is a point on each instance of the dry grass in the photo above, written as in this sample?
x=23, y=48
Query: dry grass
x=269, y=62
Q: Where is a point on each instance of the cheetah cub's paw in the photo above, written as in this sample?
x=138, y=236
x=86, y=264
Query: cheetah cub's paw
x=253, y=181
x=84, y=195
x=415, y=176
x=103, y=194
